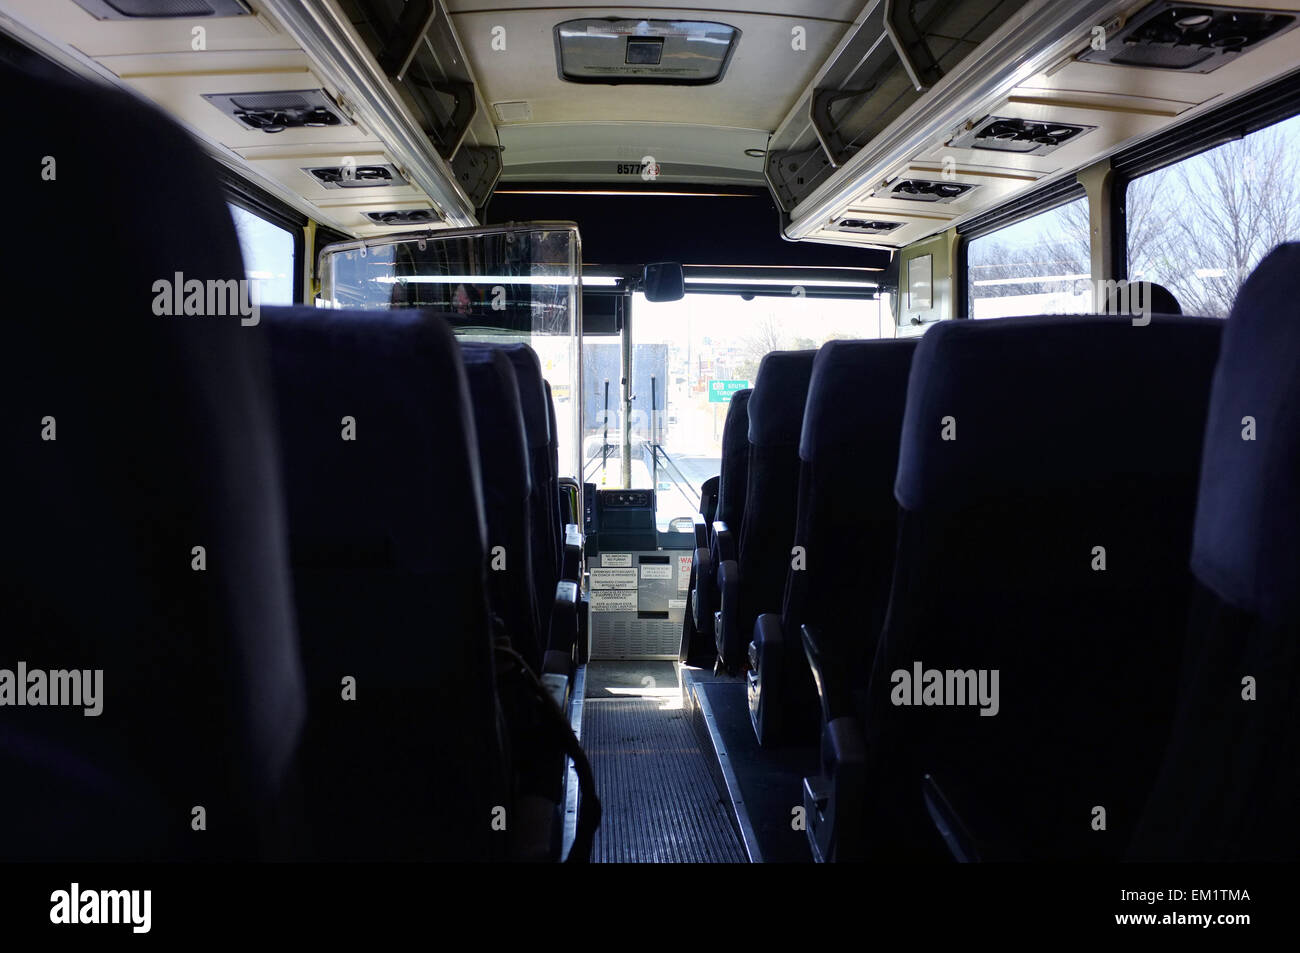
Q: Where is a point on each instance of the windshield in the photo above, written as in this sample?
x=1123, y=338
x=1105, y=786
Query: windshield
x=688, y=358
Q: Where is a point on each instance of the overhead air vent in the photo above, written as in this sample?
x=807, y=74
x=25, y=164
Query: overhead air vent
x=1024, y=136
x=413, y=216
x=864, y=226
x=162, y=9
x=356, y=176
x=278, y=111
x=663, y=52
x=1198, y=39
x=923, y=190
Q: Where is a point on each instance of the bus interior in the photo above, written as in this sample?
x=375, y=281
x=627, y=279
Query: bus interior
x=814, y=431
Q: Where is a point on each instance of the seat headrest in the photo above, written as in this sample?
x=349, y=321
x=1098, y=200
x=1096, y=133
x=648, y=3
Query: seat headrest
x=1044, y=402
x=856, y=397
x=532, y=393
x=1163, y=300
x=1246, y=546
x=409, y=480
x=780, y=391
x=498, y=417
x=735, y=428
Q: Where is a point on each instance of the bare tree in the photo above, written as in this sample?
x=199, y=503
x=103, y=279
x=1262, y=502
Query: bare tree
x=768, y=334
x=1201, y=226
x=1036, y=264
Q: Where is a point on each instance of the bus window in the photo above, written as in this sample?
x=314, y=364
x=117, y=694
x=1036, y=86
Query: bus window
x=1039, y=265
x=268, y=255
x=1200, y=226
x=688, y=356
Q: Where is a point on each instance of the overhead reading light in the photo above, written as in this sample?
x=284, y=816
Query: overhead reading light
x=162, y=9
x=516, y=111
x=278, y=111
x=1024, y=136
x=413, y=216
x=356, y=177
x=1198, y=39
x=863, y=226
x=663, y=52
x=923, y=190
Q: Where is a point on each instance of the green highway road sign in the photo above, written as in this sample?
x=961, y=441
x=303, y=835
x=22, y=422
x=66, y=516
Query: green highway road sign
x=720, y=391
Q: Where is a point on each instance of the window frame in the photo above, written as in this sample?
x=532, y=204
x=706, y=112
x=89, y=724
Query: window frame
x=256, y=201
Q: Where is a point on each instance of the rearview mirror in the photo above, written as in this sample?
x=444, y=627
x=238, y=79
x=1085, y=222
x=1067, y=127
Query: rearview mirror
x=663, y=281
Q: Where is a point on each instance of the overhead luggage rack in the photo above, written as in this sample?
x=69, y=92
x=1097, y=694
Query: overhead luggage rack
x=893, y=54
x=400, y=70
x=901, y=79
x=417, y=48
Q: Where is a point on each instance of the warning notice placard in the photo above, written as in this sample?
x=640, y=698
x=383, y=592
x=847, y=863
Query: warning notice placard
x=613, y=600
x=613, y=578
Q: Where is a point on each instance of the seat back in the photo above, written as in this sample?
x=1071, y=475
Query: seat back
x=1231, y=776
x=710, y=551
x=1047, y=479
x=553, y=431
x=734, y=469
x=545, y=501
x=507, y=497
x=772, y=486
x=144, y=553
x=389, y=561
x=847, y=522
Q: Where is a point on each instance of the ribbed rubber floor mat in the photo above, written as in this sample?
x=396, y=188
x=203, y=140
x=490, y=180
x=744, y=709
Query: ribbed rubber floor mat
x=658, y=801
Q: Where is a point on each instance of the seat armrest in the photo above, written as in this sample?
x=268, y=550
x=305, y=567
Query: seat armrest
x=728, y=640
x=812, y=648
x=767, y=650
x=563, y=636
x=724, y=543
x=833, y=674
x=572, y=566
x=568, y=488
x=765, y=680
x=833, y=799
x=709, y=499
x=701, y=532
x=557, y=686
x=703, y=590
x=768, y=631
x=950, y=825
